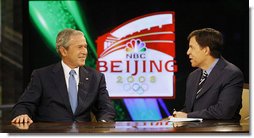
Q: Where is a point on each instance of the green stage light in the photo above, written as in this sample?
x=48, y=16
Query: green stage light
x=50, y=17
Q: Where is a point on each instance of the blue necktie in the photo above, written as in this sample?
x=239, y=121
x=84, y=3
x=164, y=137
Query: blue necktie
x=73, y=91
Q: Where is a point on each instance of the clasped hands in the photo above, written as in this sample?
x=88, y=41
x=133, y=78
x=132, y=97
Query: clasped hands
x=22, y=121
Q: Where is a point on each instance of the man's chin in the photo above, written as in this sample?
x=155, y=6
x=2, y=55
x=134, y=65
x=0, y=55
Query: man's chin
x=193, y=65
x=82, y=64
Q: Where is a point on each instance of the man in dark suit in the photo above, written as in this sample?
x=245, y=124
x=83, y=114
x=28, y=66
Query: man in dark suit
x=55, y=95
x=214, y=90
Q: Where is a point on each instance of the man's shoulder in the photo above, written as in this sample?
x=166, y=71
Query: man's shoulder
x=49, y=67
x=231, y=68
x=90, y=70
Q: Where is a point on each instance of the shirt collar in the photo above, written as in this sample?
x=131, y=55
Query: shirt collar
x=209, y=70
x=67, y=69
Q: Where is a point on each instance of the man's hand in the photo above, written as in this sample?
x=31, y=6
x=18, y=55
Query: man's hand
x=22, y=126
x=22, y=119
x=180, y=114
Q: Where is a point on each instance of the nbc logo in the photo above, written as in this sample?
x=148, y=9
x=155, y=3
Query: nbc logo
x=135, y=46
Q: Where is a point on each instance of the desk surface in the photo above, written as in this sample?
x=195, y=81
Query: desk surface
x=130, y=127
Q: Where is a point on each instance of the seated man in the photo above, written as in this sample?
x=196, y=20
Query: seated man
x=214, y=90
x=66, y=91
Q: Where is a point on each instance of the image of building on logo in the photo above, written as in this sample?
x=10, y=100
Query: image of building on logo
x=137, y=58
x=141, y=50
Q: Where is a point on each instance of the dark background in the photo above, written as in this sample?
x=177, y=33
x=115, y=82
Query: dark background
x=231, y=17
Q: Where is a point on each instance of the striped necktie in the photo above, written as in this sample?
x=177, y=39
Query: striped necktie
x=201, y=82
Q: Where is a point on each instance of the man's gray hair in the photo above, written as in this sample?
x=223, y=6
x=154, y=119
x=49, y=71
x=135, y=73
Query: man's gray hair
x=63, y=38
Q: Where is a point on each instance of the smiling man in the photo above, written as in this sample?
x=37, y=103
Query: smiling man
x=66, y=91
x=214, y=90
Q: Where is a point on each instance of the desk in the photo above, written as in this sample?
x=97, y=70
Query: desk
x=133, y=127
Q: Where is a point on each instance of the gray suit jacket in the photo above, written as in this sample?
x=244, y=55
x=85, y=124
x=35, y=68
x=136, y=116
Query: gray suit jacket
x=46, y=96
x=221, y=95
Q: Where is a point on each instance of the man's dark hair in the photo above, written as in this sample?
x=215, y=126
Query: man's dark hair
x=209, y=37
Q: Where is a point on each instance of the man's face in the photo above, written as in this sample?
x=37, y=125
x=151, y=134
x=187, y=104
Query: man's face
x=196, y=53
x=75, y=55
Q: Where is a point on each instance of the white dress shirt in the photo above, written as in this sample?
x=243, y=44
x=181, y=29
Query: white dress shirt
x=67, y=69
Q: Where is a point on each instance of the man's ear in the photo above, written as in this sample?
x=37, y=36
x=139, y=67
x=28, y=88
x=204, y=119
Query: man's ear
x=207, y=50
x=63, y=51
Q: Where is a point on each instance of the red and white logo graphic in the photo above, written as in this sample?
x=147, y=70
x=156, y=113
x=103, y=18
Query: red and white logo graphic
x=137, y=57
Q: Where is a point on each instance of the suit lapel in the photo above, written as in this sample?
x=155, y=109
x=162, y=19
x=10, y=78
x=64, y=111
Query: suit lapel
x=213, y=76
x=84, y=83
x=194, y=88
x=59, y=80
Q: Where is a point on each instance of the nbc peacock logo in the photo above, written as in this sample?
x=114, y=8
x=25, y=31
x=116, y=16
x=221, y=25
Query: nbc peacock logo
x=135, y=45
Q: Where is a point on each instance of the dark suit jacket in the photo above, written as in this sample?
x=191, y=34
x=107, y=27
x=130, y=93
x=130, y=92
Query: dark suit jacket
x=46, y=96
x=221, y=95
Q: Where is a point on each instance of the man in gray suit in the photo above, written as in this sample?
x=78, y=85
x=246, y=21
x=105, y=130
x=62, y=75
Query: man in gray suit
x=55, y=95
x=214, y=90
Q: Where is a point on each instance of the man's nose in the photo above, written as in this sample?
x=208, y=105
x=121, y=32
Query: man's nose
x=84, y=49
x=188, y=52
